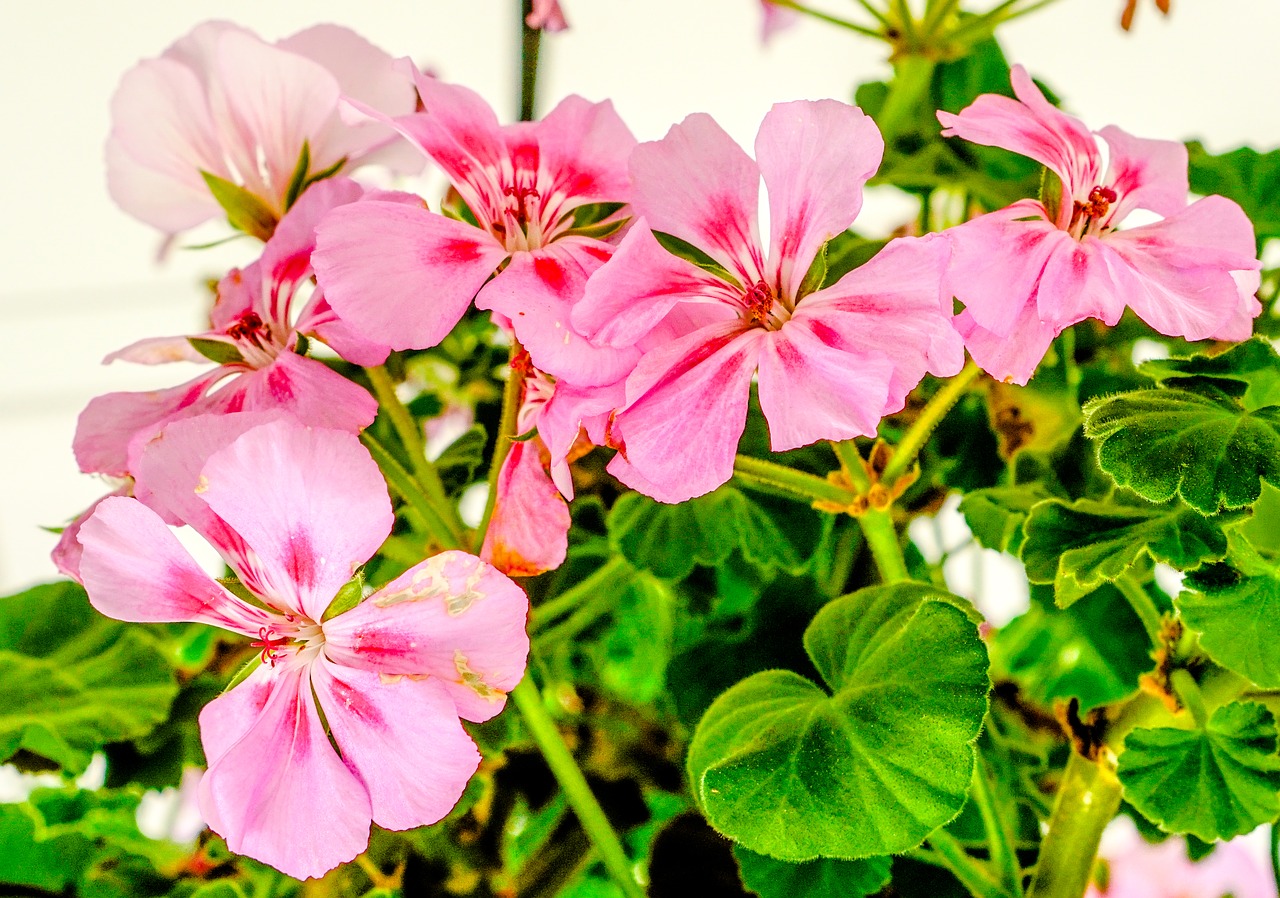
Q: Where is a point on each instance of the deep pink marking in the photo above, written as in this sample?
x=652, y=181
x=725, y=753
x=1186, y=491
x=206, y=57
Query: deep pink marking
x=302, y=559
x=550, y=273
x=455, y=250
x=279, y=385
x=355, y=704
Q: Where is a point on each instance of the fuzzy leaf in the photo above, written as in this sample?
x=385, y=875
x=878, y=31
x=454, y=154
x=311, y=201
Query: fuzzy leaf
x=996, y=515
x=1248, y=372
x=1215, y=783
x=871, y=768
x=1236, y=610
x=821, y=878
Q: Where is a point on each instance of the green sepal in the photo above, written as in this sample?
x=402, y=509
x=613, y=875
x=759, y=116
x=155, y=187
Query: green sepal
x=695, y=256
x=216, y=350
x=1214, y=783
x=245, y=211
x=299, y=177
x=816, y=276
x=595, y=220
x=348, y=597
x=788, y=770
x=820, y=878
x=1080, y=546
x=1051, y=193
x=246, y=670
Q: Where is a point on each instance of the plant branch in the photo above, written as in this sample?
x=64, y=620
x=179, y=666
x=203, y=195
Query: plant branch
x=530, y=45
x=829, y=19
x=512, y=393
x=411, y=491
x=917, y=435
x=1088, y=798
x=577, y=596
x=797, y=484
x=1142, y=604
x=997, y=819
x=972, y=873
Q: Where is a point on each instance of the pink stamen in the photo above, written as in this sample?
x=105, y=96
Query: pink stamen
x=270, y=645
x=759, y=302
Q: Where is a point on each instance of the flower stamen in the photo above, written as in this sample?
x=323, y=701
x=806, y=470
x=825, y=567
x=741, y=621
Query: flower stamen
x=270, y=644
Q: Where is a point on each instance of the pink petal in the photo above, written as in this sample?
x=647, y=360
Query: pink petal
x=1010, y=357
x=529, y=531
x=1179, y=274
x=1032, y=127
x=401, y=275
x=687, y=408
x=561, y=420
x=402, y=739
x=66, y=554
x=775, y=18
x=1146, y=174
x=639, y=286
x=158, y=351
x=537, y=292
x=452, y=617
x=321, y=321
x=310, y=503
x=238, y=292
x=134, y=569
x=547, y=15
x=280, y=794
x=1078, y=283
x=815, y=157
x=1240, y=325
x=109, y=422
x=997, y=260
x=307, y=388
x=287, y=256
x=584, y=147
x=698, y=185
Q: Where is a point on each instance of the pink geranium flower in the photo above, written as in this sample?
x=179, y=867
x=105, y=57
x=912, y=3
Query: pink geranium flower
x=546, y=15
x=1138, y=869
x=1030, y=270
x=256, y=337
x=223, y=101
x=831, y=362
x=295, y=511
x=404, y=276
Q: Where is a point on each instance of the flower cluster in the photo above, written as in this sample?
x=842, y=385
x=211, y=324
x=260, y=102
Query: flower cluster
x=641, y=301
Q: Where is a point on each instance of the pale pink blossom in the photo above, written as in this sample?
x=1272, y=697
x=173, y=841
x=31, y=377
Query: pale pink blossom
x=547, y=16
x=1030, y=270
x=404, y=275
x=775, y=18
x=831, y=362
x=295, y=512
x=223, y=101
x=256, y=337
x=1135, y=868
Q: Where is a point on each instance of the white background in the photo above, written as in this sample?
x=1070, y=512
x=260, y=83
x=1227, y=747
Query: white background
x=79, y=278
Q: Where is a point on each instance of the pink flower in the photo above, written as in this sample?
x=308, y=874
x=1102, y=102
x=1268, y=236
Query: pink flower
x=1138, y=869
x=775, y=18
x=1028, y=271
x=295, y=512
x=256, y=339
x=831, y=362
x=547, y=15
x=223, y=101
x=404, y=276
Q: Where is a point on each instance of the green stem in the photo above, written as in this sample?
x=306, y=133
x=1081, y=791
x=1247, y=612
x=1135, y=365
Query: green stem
x=566, y=771
x=882, y=539
x=908, y=92
x=830, y=20
x=1188, y=692
x=530, y=44
x=875, y=13
x=579, y=595
x=852, y=463
x=778, y=478
x=985, y=24
x=998, y=815
x=972, y=873
x=409, y=489
x=410, y=435
x=511, y=395
x=582, y=618
x=905, y=21
x=1275, y=852
x=908, y=448
x=1088, y=799
x=1217, y=687
x=1142, y=604
x=935, y=15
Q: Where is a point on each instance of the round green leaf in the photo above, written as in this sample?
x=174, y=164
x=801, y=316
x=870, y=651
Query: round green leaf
x=1215, y=783
x=872, y=768
x=1237, y=614
x=822, y=878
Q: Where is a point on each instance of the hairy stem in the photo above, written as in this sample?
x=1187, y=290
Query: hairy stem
x=578, y=595
x=829, y=19
x=773, y=477
x=917, y=435
x=972, y=873
x=511, y=396
x=1088, y=798
x=882, y=539
x=998, y=815
x=1143, y=605
x=530, y=44
x=412, y=492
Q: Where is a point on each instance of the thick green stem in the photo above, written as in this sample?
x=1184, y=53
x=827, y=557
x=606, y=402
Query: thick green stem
x=908, y=92
x=1188, y=692
x=972, y=873
x=882, y=539
x=1142, y=604
x=412, y=492
x=854, y=467
x=410, y=435
x=998, y=814
x=779, y=478
x=566, y=771
x=512, y=393
x=530, y=44
x=913, y=441
x=1088, y=799
x=578, y=596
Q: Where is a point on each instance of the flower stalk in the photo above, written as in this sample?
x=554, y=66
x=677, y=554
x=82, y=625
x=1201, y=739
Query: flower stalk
x=1088, y=799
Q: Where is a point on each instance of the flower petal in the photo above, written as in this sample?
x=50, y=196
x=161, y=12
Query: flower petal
x=687, y=408
x=1078, y=283
x=584, y=148
x=698, y=185
x=452, y=617
x=401, y=737
x=306, y=388
x=529, y=531
x=66, y=554
x=1010, y=357
x=280, y=794
x=310, y=503
x=1146, y=174
x=134, y=569
x=815, y=157
x=399, y=274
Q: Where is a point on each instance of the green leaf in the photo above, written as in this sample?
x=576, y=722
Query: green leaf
x=1215, y=783
x=793, y=772
x=458, y=463
x=692, y=254
x=632, y=656
x=1093, y=651
x=1080, y=546
x=847, y=251
x=1250, y=178
x=1236, y=610
x=670, y=540
x=245, y=211
x=72, y=680
x=1249, y=372
x=1203, y=446
x=216, y=350
x=822, y=878
x=996, y=515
